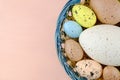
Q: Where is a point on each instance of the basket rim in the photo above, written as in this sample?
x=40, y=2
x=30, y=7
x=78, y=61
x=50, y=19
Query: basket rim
x=58, y=41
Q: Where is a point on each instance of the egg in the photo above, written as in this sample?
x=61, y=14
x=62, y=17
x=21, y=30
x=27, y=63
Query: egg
x=72, y=29
x=102, y=43
x=107, y=11
x=90, y=69
x=73, y=50
x=84, y=15
x=111, y=73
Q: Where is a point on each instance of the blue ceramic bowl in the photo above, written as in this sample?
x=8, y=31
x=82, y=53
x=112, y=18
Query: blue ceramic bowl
x=62, y=16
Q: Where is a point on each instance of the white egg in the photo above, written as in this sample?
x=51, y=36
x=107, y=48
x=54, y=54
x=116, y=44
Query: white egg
x=102, y=43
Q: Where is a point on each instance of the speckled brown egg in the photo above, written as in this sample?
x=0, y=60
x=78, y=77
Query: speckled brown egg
x=107, y=11
x=111, y=73
x=89, y=69
x=73, y=50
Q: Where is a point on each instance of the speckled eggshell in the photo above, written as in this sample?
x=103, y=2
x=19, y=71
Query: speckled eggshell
x=111, y=73
x=102, y=43
x=89, y=69
x=107, y=11
x=72, y=29
x=84, y=15
x=73, y=50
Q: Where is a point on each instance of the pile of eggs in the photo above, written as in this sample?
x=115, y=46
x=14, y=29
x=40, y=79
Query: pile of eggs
x=90, y=37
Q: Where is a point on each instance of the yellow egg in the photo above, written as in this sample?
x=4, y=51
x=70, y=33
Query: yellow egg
x=84, y=15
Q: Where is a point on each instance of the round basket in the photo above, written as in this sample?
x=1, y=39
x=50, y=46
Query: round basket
x=62, y=16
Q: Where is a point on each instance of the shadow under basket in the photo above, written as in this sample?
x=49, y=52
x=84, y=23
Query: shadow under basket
x=58, y=40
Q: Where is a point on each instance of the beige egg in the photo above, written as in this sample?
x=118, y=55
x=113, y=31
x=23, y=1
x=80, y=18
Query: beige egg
x=107, y=11
x=89, y=69
x=73, y=50
x=111, y=73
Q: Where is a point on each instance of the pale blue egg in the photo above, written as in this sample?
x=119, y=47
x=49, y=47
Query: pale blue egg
x=72, y=29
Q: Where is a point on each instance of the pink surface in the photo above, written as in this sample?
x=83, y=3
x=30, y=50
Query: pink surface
x=27, y=46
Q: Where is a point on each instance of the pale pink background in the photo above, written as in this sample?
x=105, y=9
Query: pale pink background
x=27, y=46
